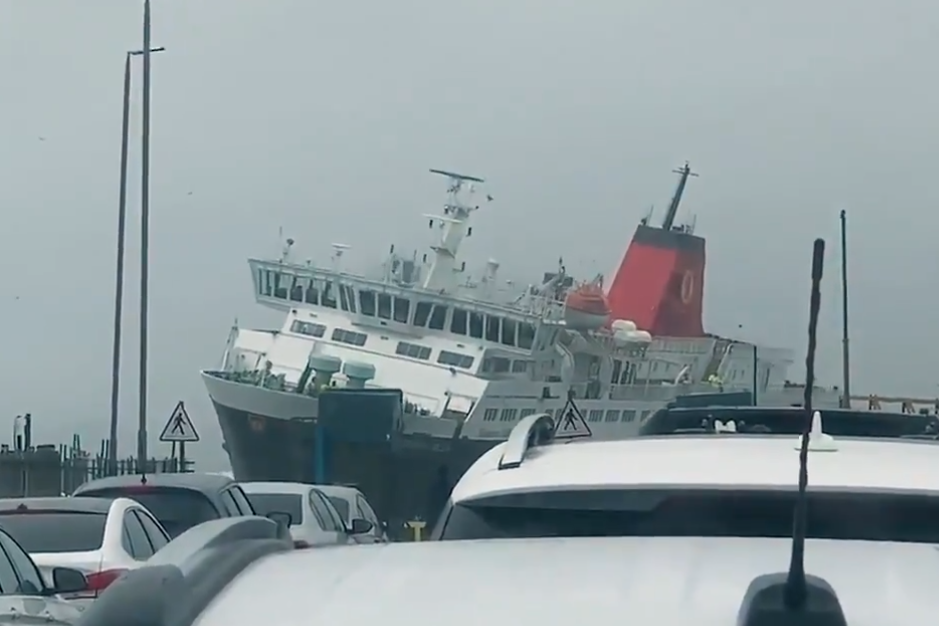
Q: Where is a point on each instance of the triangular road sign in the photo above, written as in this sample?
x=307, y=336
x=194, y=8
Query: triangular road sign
x=570, y=423
x=179, y=428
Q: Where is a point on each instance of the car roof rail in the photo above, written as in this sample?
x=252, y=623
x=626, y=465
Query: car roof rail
x=176, y=584
x=531, y=431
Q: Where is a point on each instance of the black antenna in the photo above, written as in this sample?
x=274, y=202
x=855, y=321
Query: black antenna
x=795, y=593
x=794, y=598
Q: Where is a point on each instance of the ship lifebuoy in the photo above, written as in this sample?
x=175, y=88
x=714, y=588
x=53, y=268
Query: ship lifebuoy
x=687, y=287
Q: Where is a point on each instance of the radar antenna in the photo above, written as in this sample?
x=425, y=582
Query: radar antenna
x=684, y=173
x=453, y=226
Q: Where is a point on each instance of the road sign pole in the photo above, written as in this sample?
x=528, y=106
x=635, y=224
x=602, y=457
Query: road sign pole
x=182, y=457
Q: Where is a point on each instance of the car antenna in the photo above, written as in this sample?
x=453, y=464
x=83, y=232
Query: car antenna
x=794, y=598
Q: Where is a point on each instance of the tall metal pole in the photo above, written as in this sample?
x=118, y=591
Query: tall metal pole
x=144, y=246
x=755, y=377
x=845, y=354
x=119, y=280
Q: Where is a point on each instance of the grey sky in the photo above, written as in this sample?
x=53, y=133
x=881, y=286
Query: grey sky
x=323, y=117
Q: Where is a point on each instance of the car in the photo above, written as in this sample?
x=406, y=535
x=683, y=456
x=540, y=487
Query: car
x=352, y=505
x=718, y=483
x=242, y=571
x=177, y=501
x=310, y=515
x=26, y=596
x=101, y=537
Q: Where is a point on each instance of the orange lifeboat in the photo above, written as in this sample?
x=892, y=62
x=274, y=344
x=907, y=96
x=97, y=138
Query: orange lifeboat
x=586, y=307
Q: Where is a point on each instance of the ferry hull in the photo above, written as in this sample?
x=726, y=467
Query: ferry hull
x=273, y=435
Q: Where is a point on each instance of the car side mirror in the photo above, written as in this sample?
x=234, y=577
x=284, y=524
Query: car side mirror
x=282, y=518
x=360, y=526
x=68, y=580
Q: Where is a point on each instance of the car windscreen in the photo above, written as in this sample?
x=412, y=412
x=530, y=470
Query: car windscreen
x=732, y=512
x=342, y=505
x=267, y=503
x=176, y=509
x=55, y=531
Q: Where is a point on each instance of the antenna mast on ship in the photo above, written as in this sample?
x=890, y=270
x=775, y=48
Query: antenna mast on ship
x=456, y=214
x=685, y=172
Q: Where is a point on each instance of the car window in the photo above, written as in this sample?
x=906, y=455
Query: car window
x=30, y=581
x=176, y=509
x=733, y=512
x=55, y=531
x=367, y=511
x=155, y=534
x=9, y=582
x=241, y=499
x=267, y=503
x=327, y=511
x=228, y=501
x=342, y=507
x=140, y=545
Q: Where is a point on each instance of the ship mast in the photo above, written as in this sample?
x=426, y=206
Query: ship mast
x=684, y=173
x=455, y=216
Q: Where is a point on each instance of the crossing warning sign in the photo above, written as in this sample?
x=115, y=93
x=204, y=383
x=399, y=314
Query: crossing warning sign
x=570, y=423
x=179, y=428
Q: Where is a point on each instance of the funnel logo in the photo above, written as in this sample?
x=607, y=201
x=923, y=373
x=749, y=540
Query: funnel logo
x=687, y=287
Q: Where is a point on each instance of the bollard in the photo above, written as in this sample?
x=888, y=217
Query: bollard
x=417, y=527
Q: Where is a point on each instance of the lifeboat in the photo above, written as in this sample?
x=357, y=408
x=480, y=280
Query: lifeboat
x=586, y=307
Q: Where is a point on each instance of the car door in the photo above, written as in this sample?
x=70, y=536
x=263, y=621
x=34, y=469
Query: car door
x=330, y=523
x=365, y=510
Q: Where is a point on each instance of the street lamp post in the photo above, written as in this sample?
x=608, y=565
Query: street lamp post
x=144, y=246
x=119, y=280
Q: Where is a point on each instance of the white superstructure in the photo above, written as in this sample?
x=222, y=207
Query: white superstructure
x=473, y=355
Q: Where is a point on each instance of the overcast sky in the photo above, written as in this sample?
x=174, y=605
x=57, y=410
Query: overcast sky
x=323, y=117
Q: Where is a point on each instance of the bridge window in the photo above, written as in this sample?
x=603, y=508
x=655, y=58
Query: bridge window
x=329, y=295
x=296, y=289
x=490, y=415
x=343, y=298
x=402, y=310
x=612, y=416
x=384, y=306
x=312, y=293
x=496, y=365
x=350, y=297
x=413, y=350
x=508, y=415
x=367, y=302
x=526, y=335
x=520, y=366
x=350, y=337
x=455, y=359
x=476, y=325
x=438, y=317
x=492, y=328
x=280, y=286
x=264, y=282
x=458, y=323
x=422, y=313
x=508, y=332
x=307, y=328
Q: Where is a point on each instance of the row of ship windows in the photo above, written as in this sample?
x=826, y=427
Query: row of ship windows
x=452, y=359
x=595, y=415
x=492, y=328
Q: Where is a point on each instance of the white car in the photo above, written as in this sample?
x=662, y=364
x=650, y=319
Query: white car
x=101, y=537
x=312, y=518
x=352, y=505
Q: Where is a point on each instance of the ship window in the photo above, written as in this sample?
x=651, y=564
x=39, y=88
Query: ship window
x=350, y=296
x=496, y=364
x=519, y=367
x=296, y=290
x=422, y=313
x=508, y=415
x=280, y=288
x=367, y=302
x=312, y=293
x=476, y=325
x=329, y=295
x=526, y=413
x=349, y=336
x=343, y=298
x=402, y=310
x=458, y=323
x=438, y=317
x=384, y=306
x=307, y=328
x=508, y=332
x=612, y=416
x=629, y=415
x=492, y=328
x=455, y=359
x=644, y=415
x=595, y=415
x=526, y=335
x=617, y=368
x=413, y=350
x=264, y=283
x=490, y=415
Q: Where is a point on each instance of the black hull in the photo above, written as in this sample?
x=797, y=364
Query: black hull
x=404, y=476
